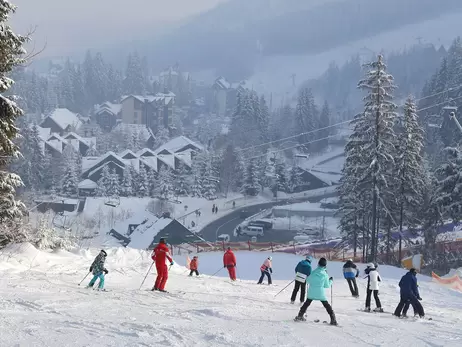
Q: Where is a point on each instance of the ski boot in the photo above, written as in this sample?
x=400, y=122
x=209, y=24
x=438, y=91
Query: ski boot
x=300, y=318
x=378, y=309
x=367, y=309
x=333, y=320
x=154, y=289
x=162, y=290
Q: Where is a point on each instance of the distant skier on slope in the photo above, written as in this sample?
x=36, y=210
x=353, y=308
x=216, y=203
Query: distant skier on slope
x=266, y=270
x=98, y=270
x=351, y=272
x=318, y=281
x=409, y=292
x=193, y=266
x=229, y=262
x=373, y=279
x=302, y=271
x=159, y=255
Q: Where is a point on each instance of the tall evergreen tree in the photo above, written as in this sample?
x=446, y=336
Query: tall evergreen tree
x=134, y=79
x=69, y=182
x=11, y=46
x=104, y=182
x=306, y=119
x=324, y=132
x=142, y=182
x=369, y=151
x=126, y=188
x=113, y=184
x=251, y=184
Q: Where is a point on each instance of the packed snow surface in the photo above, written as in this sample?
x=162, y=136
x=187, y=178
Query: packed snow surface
x=42, y=305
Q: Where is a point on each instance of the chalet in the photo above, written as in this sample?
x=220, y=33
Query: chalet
x=55, y=144
x=61, y=121
x=153, y=111
x=225, y=94
x=107, y=114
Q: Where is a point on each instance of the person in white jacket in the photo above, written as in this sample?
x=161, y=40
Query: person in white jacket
x=373, y=279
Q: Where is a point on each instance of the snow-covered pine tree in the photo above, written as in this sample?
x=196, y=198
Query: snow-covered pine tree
x=78, y=89
x=411, y=173
x=251, y=184
x=181, y=184
x=449, y=187
x=152, y=182
x=210, y=179
x=306, y=118
x=264, y=120
x=37, y=159
x=369, y=151
x=162, y=137
x=69, y=182
x=135, y=180
x=164, y=188
x=100, y=78
x=134, y=80
x=281, y=176
x=197, y=174
x=142, y=182
x=92, y=151
x=65, y=86
x=11, y=46
x=295, y=178
x=126, y=187
x=113, y=184
x=324, y=123
x=104, y=182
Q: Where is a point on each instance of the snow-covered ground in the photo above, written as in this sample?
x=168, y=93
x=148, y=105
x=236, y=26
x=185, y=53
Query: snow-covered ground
x=41, y=305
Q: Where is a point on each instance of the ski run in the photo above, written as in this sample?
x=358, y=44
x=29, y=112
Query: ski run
x=41, y=304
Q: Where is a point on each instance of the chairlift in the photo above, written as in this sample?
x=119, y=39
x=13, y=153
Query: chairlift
x=113, y=201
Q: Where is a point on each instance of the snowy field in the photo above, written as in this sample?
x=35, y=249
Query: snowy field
x=41, y=305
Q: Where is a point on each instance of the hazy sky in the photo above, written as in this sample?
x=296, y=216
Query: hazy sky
x=68, y=26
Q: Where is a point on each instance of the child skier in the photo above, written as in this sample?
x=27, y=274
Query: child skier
x=266, y=270
x=98, y=270
x=318, y=281
x=302, y=271
x=160, y=254
x=193, y=266
x=373, y=279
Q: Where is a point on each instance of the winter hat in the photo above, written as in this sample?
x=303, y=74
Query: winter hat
x=162, y=240
x=104, y=252
x=308, y=258
x=229, y=248
x=270, y=258
x=413, y=271
x=350, y=260
x=370, y=265
x=195, y=257
x=322, y=262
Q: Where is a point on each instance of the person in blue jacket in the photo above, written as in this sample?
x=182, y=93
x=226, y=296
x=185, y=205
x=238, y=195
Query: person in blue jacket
x=350, y=272
x=409, y=292
x=302, y=271
x=318, y=282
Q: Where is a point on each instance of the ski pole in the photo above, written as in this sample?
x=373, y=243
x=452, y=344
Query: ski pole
x=146, y=275
x=331, y=294
x=83, y=279
x=217, y=272
x=284, y=288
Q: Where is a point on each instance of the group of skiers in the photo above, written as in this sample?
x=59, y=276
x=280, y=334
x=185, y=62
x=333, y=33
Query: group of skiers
x=318, y=280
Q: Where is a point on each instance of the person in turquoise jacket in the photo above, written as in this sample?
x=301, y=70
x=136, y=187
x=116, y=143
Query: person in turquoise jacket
x=318, y=282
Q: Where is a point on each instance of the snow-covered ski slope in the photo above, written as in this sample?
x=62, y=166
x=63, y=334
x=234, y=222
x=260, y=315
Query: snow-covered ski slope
x=41, y=305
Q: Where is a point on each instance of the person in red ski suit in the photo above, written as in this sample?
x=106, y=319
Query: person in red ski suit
x=229, y=262
x=160, y=253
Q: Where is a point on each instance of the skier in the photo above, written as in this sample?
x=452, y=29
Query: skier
x=318, y=281
x=98, y=270
x=409, y=292
x=160, y=254
x=229, y=262
x=350, y=272
x=216, y=209
x=234, y=204
x=302, y=271
x=373, y=279
x=213, y=209
x=193, y=266
x=266, y=269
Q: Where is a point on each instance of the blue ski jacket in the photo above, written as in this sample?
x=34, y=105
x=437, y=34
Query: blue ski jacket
x=303, y=267
x=408, y=286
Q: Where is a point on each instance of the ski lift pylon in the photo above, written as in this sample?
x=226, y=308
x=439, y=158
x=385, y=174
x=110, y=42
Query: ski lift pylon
x=113, y=201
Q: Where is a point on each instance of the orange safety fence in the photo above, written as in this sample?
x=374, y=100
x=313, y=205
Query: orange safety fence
x=453, y=282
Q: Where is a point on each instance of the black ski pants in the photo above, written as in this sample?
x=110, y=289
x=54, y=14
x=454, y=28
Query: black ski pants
x=194, y=271
x=263, y=273
x=353, y=286
x=308, y=302
x=298, y=286
x=376, y=297
x=418, y=308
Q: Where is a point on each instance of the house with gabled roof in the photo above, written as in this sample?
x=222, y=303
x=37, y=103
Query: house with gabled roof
x=107, y=114
x=225, y=94
x=61, y=121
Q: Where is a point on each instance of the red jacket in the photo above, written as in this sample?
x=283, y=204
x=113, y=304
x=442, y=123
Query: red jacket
x=193, y=264
x=229, y=259
x=160, y=253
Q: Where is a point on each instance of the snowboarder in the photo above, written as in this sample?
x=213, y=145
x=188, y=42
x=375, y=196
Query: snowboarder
x=302, y=271
x=373, y=279
x=193, y=266
x=266, y=270
x=160, y=254
x=98, y=270
x=409, y=292
x=229, y=262
x=318, y=281
x=351, y=272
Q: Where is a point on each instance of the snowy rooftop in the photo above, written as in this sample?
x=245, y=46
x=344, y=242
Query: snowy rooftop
x=146, y=132
x=144, y=234
x=87, y=184
x=64, y=118
x=178, y=143
x=109, y=106
x=326, y=177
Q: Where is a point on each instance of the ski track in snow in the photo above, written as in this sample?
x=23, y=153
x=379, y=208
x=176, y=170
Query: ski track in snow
x=41, y=305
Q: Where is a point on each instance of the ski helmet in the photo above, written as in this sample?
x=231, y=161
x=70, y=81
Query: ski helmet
x=104, y=252
x=370, y=265
x=322, y=262
x=308, y=258
x=270, y=258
